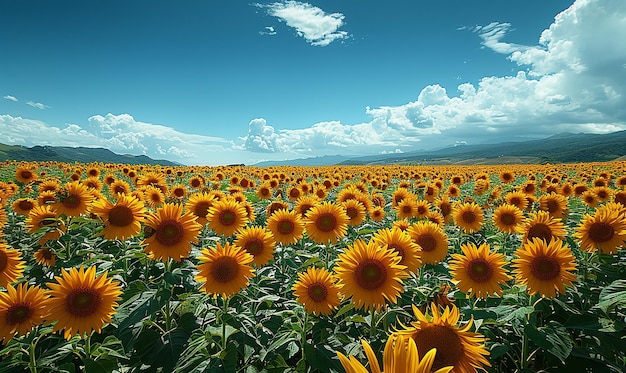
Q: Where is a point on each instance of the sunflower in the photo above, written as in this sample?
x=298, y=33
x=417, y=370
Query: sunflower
x=544, y=267
x=317, y=290
x=73, y=199
x=46, y=257
x=46, y=219
x=227, y=216
x=178, y=191
x=377, y=213
x=174, y=232
x=456, y=345
x=119, y=186
x=121, y=220
x=553, y=203
x=431, y=239
x=326, y=222
x=400, y=242
x=199, y=204
x=305, y=203
x=49, y=184
x=21, y=309
x=22, y=206
x=469, y=216
x=275, y=206
x=541, y=225
x=406, y=208
x=400, y=356
x=11, y=265
x=445, y=207
x=605, y=230
x=152, y=196
x=81, y=302
x=258, y=242
x=25, y=175
x=370, y=274
x=286, y=226
x=589, y=198
x=355, y=210
x=517, y=199
x=507, y=217
x=478, y=271
x=224, y=269
x=92, y=183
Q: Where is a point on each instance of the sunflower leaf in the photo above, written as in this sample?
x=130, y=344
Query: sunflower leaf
x=612, y=296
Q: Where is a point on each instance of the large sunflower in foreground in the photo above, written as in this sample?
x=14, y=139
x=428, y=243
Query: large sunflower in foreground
x=258, y=242
x=325, y=222
x=81, y=302
x=478, y=271
x=507, y=217
x=432, y=240
x=400, y=356
x=286, y=226
x=541, y=225
x=400, y=242
x=456, y=345
x=73, y=199
x=173, y=233
x=370, y=274
x=544, y=267
x=121, y=220
x=317, y=290
x=224, y=269
x=469, y=216
x=11, y=265
x=226, y=216
x=605, y=230
x=21, y=309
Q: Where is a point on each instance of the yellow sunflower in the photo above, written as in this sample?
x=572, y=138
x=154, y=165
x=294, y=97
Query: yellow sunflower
x=199, y=204
x=286, y=226
x=173, y=233
x=326, y=222
x=22, y=206
x=224, y=270
x=46, y=257
x=507, y=217
x=455, y=344
x=400, y=356
x=226, y=216
x=605, y=230
x=355, y=210
x=11, y=265
x=152, y=196
x=431, y=239
x=544, y=267
x=553, y=203
x=406, y=208
x=25, y=175
x=119, y=187
x=121, y=220
x=317, y=290
x=541, y=225
x=469, y=216
x=370, y=274
x=518, y=199
x=377, y=213
x=478, y=271
x=81, y=302
x=46, y=219
x=400, y=242
x=21, y=309
x=258, y=242
x=73, y=199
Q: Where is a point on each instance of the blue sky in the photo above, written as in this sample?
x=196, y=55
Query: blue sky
x=219, y=82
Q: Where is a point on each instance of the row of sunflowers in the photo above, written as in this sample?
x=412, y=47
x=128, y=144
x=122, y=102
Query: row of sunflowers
x=128, y=268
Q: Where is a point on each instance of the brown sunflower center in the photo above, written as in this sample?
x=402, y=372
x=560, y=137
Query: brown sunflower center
x=3, y=260
x=317, y=291
x=326, y=222
x=468, y=216
x=545, y=268
x=352, y=212
x=227, y=217
x=25, y=204
x=83, y=302
x=422, y=210
x=407, y=209
x=224, y=269
x=121, y=216
x=553, y=206
x=254, y=246
x=479, y=270
x=26, y=174
x=46, y=254
x=370, y=274
x=507, y=219
x=71, y=201
x=601, y=232
x=201, y=209
x=397, y=248
x=195, y=183
x=427, y=242
x=540, y=230
x=47, y=221
x=18, y=313
x=285, y=226
x=447, y=342
x=170, y=232
x=179, y=192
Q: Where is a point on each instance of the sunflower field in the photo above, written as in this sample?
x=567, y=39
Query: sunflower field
x=398, y=268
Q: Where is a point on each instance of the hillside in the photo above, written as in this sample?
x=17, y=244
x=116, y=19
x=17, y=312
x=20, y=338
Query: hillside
x=70, y=155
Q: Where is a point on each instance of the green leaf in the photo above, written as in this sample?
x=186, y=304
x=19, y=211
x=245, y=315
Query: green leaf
x=100, y=365
x=348, y=307
x=537, y=336
x=612, y=296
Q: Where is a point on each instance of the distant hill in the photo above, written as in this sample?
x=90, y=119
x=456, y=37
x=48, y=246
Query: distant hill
x=560, y=148
x=78, y=154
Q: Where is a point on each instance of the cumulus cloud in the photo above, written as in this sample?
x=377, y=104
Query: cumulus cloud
x=10, y=98
x=310, y=22
x=261, y=137
x=37, y=105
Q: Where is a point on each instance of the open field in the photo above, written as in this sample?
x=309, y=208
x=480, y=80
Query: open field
x=142, y=268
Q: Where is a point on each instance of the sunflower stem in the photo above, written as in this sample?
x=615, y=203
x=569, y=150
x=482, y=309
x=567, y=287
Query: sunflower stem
x=372, y=323
x=224, y=312
x=168, y=316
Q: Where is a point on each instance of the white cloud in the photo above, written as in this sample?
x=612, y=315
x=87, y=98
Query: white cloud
x=312, y=23
x=10, y=98
x=492, y=35
x=37, y=105
x=269, y=30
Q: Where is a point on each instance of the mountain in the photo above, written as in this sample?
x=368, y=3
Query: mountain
x=325, y=160
x=78, y=154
